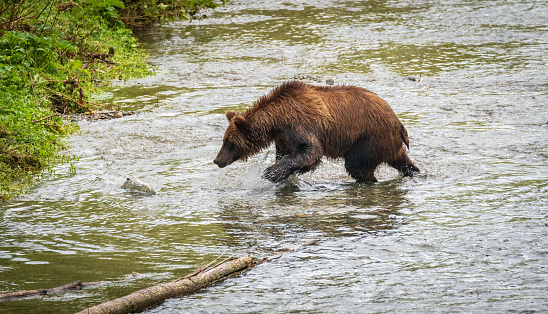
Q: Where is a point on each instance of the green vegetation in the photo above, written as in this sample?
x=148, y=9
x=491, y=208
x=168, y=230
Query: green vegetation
x=54, y=54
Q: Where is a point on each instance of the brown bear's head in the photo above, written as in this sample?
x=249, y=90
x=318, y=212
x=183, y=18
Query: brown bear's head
x=235, y=143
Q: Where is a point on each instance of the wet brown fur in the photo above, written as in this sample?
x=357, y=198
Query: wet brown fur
x=309, y=122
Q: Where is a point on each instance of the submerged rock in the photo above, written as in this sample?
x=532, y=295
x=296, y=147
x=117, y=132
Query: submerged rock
x=415, y=78
x=135, y=185
x=308, y=78
x=313, y=78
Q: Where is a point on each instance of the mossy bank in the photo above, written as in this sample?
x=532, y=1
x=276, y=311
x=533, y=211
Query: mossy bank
x=54, y=55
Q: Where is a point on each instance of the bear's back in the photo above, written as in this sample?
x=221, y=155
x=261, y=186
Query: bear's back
x=337, y=115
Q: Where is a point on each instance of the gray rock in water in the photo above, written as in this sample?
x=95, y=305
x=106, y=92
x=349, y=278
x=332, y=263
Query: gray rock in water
x=135, y=185
x=415, y=78
x=308, y=78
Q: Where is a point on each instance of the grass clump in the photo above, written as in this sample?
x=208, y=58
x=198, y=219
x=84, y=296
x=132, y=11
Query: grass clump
x=55, y=54
x=26, y=145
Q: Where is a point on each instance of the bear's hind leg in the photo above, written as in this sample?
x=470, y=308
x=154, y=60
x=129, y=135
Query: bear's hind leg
x=404, y=165
x=361, y=161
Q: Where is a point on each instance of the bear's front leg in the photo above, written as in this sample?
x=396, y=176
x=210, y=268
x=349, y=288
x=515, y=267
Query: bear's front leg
x=277, y=173
x=306, y=157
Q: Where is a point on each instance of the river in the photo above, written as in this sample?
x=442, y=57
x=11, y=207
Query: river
x=468, y=234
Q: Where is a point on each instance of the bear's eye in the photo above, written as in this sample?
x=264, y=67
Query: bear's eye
x=228, y=144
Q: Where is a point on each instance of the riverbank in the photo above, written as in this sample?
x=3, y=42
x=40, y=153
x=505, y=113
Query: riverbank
x=54, y=55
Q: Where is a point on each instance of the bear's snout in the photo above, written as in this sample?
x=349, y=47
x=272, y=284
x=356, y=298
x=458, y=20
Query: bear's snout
x=226, y=155
x=222, y=160
x=218, y=163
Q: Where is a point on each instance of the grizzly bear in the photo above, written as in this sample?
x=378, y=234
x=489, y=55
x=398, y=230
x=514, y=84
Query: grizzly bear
x=307, y=122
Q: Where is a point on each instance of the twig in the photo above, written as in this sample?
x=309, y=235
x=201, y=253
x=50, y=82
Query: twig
x=206, y=267
x=51, y=115
x=96, y=49
x=49, y=4
x=32, y=85
x=226, y=259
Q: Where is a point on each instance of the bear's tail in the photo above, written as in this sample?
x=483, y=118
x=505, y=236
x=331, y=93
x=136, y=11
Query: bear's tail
x=403, y=135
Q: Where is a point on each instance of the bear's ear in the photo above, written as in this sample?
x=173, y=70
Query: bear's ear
x=230, y=114
x=239, y=121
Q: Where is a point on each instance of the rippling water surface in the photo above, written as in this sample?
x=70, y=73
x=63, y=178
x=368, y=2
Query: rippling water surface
x=468, y=234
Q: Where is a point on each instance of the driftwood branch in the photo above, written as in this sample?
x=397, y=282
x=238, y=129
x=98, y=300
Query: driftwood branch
x=146, y=298
x=143, y=299
x=77, y=285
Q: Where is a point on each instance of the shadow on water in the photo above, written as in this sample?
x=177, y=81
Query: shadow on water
x=299, y=211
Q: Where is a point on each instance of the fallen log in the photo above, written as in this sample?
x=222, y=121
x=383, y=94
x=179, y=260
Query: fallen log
x=77, y=285
x=146, y=298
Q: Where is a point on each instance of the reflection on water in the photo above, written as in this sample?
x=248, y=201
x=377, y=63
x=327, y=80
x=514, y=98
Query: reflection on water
x=467, y=234
x=295, y=214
